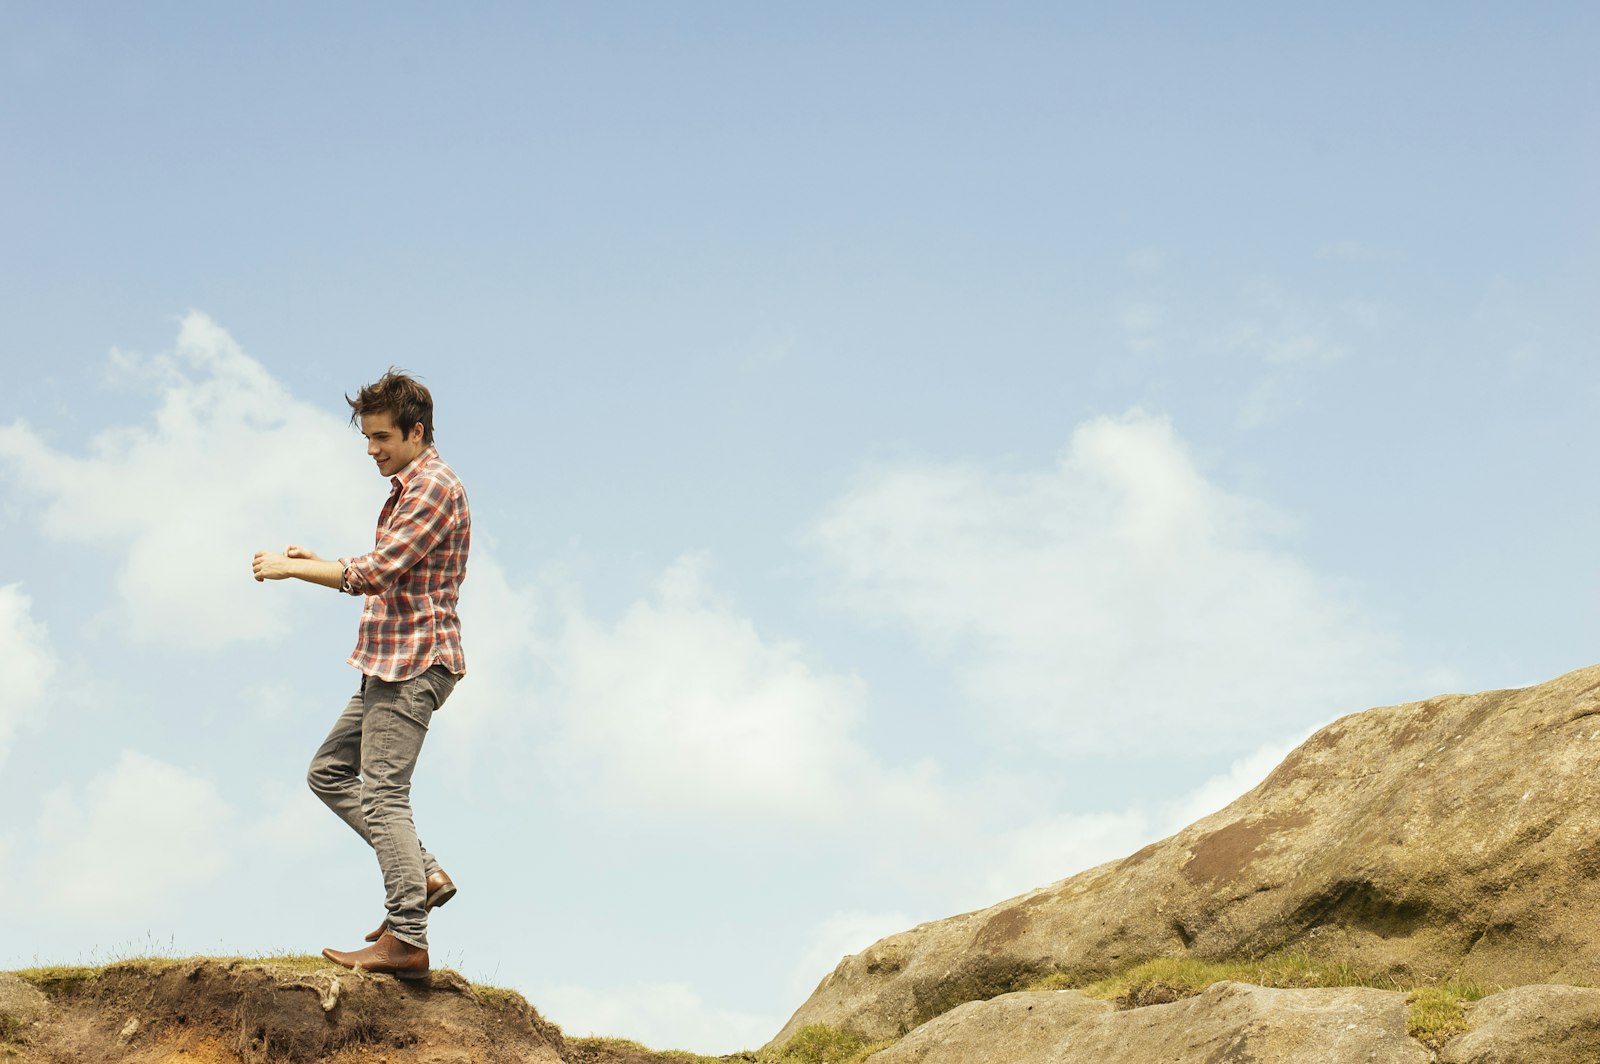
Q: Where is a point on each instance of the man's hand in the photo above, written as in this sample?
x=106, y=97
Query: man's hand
x=294, y=550
x=270, y=565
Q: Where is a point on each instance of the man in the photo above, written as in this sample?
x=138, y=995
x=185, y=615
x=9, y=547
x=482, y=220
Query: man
x=408, y=649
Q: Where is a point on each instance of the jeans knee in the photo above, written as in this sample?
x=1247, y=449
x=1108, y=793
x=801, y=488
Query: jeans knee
x=322, y=779
x=378, y=800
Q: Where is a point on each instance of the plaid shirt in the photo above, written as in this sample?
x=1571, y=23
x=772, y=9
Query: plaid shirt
x=412, y=579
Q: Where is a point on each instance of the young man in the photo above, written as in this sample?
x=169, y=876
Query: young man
x=409, y=652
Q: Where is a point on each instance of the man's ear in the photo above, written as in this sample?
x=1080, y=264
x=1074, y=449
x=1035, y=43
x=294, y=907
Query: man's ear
x=416, y=433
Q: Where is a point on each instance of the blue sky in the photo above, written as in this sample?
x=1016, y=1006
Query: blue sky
x=916, y=451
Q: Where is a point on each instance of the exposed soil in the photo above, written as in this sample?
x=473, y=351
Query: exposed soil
x=204, y=1011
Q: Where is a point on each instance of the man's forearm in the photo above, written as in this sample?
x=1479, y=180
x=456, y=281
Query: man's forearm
x=300, y=564
x=316, y=571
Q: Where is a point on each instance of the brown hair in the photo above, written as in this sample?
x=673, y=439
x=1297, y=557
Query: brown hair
x=398, y=395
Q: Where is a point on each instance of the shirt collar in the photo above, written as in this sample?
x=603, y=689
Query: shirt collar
x=402, y=478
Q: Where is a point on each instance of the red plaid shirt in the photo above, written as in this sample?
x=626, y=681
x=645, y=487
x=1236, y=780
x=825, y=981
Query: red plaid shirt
x=412, y=579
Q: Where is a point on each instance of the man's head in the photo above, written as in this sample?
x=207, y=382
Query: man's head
x=396, y=416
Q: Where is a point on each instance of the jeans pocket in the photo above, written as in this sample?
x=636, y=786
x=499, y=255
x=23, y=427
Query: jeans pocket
x=417, y=700
x=442, y=681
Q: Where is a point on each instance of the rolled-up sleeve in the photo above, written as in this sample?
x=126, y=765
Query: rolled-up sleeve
x=422, y=517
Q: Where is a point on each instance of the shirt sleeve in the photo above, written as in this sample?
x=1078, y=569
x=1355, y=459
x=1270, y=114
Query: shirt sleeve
x=422, y=517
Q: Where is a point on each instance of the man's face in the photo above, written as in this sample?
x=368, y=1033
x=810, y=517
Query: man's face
x=391, y=450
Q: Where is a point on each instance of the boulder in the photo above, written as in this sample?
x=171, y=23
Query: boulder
x=22, y=1009
x=1530, y=1025
x=1230, y=1022
x=1455, y=837
x=1009, y=1029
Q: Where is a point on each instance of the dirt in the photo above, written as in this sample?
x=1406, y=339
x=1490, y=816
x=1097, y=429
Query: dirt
x=205, y=1011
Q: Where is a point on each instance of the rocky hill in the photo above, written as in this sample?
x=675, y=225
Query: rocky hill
x=1452, y=839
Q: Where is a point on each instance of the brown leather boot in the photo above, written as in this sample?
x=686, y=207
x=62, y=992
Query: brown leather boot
x=388, y=955
x=440, y=890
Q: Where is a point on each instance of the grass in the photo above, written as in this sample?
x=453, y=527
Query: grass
x=618, y=1044
x=63, y=979
x=59, y=979
x=813, y=1044
x=1436, y=1012
x=820, y=1044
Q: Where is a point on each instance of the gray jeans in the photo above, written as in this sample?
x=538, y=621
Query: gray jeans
x=363, y=772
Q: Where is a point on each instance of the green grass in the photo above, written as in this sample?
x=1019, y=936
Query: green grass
x=813, y=1044
x=60, y=978
x=597, y=1043
x=1188, y=975
x=1436, y=1012
x=820, y=1044
x=65, y=979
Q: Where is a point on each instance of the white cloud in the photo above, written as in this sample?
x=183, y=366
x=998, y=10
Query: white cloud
x=183, y=502
x=292, y=820
x=1036, y=854
x=660, y=1015
x=1116, y=601
x=141, y=835
x=29, y=663
x=504, y=697
x=1054, y=848
x=1242, y=775
x=681, y=700
x=684, y=701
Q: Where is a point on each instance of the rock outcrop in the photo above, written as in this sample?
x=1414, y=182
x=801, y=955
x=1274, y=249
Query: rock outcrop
x=1237, y=1022
x=23, y=1010
x=1228, y=1022
x=1530, y=1025
x=1457, y=837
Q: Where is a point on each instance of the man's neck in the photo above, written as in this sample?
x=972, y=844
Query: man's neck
x=411, y=466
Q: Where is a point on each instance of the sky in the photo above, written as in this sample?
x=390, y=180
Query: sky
x=916, y=451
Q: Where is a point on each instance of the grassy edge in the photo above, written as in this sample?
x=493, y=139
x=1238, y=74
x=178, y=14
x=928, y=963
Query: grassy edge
x=818, y=1043
x=57, y=979
x=1436, y=1010
x=602, y=1043
x=813, y=1044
